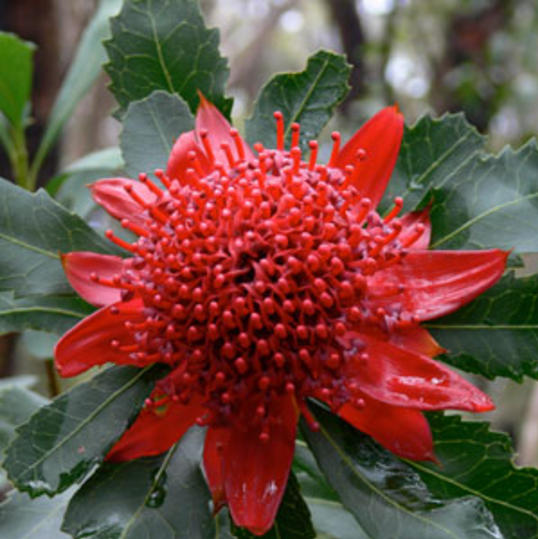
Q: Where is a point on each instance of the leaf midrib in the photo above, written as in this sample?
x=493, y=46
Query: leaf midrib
x=379, y=492
x=154, y=483
x=440, y=160
x=470, y=490
x=82, y=424
x=481, y=327
x=480, y=216
x=45, y=310
x=29, y=246
x=302, y=105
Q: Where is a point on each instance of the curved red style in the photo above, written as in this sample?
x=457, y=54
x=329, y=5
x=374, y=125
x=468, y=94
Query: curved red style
x=262, y=280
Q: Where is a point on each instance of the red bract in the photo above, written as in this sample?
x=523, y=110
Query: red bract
x=263, y=280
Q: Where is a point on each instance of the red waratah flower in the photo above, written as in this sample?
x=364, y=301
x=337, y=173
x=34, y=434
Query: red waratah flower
x=263, y=280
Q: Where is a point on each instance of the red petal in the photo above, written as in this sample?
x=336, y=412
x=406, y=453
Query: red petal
x=88, y=343
x=413, y=338
x=255, y=472
x=154, y=431
x=416, y=340
x=209, y=118
x=79, y=266
x=436, y=283
x=403, y=378
x=179, y=161
x=110, y=193
x=380, y=138
x=404, y=431
x=215, y=442
x=409, y=222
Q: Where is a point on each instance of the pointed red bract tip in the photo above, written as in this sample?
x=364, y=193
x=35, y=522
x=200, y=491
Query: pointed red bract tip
x=204, y=102
x=377, y=143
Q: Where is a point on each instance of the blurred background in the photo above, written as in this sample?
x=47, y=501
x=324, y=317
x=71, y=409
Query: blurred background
x=475, y=56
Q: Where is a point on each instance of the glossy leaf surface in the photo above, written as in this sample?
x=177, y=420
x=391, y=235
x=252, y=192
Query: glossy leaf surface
x=387, y=497
x=165, y=45
x=66, y=438
x=15, y=76
x=329, y=516
x=479, y=201
x=55, y=314
x=20, y=516
x=308, y=97
x=496, y=334
x=33, y=230
x=17, y=404
x=479, y=462
x=150, y=128
x=165, y=497
x=292, y=520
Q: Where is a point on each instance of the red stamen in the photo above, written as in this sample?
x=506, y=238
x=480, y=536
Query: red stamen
x=119, y=242
x=335, y=135
x=144, y=178
x=238, y=144
x=159, y=173
x=313, y=144
x=295, y=133
x=398, y=205
x=204, y=135
x=279, y=130
x=229, y=156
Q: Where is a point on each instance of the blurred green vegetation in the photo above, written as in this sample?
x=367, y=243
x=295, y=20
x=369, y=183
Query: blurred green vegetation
x=476, y=56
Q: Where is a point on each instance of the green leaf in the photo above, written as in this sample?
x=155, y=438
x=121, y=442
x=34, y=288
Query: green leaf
x=292, y=520
x=329, y=516
x=478, y=462
x=308, y=97
x=64, y=440
x=106, y=159
x=496, y=334
x=21, y=517
x=39, y=344
x=5, y=136
x=15, y=77
x=387, y=497
x=479, y=200
x=165, y=45
x=164, y=496
x=150, y=128
x=75, y=195
x=17, y=404
x=33, y=230
x=85, y=68
x=432, y=151
x=492, y=202
x=55, y=314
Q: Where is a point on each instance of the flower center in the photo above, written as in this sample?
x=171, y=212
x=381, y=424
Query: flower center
x=254, y=279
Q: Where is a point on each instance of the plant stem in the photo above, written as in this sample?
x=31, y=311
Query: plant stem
x=19, y=160
x=54, y=386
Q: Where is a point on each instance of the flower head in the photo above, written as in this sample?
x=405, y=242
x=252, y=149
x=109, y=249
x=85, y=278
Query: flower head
x=262, y=280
